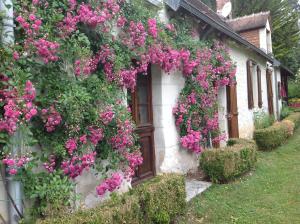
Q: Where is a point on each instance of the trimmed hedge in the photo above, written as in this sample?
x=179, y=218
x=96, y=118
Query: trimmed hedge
x=269, y=138
x=295, y=118
x=159, y=200
x=223, y=165
x=162, y=198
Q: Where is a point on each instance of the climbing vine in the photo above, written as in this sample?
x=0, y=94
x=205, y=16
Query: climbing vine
x=63, y=82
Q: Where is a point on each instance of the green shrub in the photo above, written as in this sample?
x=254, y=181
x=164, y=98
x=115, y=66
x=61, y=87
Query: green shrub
x=285, y=111
x=295, y=118
x=159, y=200
x=223, y=165
x=162, y=198
x=263, y=120
x=271, y=137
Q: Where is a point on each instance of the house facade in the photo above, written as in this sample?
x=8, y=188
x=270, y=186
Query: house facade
x=256, y=89
x=259, y=81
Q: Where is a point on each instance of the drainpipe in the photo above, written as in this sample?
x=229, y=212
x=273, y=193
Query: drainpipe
x=277, y=95
x=15, y=206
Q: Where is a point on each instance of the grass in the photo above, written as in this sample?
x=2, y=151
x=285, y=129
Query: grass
x=270, y=194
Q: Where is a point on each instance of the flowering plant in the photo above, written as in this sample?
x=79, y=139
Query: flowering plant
x=74, y=59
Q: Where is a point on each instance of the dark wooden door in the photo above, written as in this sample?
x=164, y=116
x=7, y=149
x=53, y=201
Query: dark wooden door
x=270, y=92
x=232, y=111
x=141, y=106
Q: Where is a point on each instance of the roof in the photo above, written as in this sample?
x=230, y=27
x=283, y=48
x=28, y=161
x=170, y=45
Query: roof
x=204, y=13
x=250, y=22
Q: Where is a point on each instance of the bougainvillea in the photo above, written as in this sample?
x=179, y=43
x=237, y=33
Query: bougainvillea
x=80, y=56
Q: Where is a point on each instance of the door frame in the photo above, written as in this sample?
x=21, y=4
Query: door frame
x=141, y=127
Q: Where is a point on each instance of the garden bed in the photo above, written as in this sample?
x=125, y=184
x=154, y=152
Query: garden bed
x=223, y=165
x=159, y=200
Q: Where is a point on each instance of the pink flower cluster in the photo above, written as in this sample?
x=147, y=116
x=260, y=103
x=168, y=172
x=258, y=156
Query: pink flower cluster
x=192, y=141
x=49, y=166
x=17, y=107
x=52, y=118
x=137, y=34
x=13, y=164
x=134, y=159
x=71, y=145
x=152, y=28
x=95, y=135
x=109, y=184
x=77, y=164
x=128, y=78
x=31, y=26
x=47, y=50
x=107, y=115
x=124, y=137
x=212, y=123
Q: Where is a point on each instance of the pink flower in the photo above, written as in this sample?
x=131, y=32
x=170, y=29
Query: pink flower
x=109, y=184
x=121, y=21
x=96, y=135
x=12, y=171
x=16, y=56
x=152, y=29
x=71, y=145
x=83, y=139
x=107, y=116
x=32, y=17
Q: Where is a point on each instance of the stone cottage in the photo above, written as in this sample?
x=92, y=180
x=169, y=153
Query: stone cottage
x=258, y=79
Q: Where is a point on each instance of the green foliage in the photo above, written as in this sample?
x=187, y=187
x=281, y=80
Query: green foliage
x=51, y=190
x=285, y=111
x=271, y=137
x=263, y=120
x=159, y=201
x=285, y=29
x=223, y=165
x=295, y=118
x=294, y=89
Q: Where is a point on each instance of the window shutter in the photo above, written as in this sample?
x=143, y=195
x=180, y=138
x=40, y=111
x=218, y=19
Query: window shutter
x=259, y=87
x=249, y=84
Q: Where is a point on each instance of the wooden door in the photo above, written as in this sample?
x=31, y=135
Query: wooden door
x=232, y=111
x=270, y=92
x=141, y=106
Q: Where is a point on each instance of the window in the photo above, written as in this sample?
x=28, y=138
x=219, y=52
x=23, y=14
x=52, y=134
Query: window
x=254, y=85
x=259, y=94
x=250, y=84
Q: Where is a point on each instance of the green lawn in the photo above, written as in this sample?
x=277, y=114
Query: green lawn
x=270, y=194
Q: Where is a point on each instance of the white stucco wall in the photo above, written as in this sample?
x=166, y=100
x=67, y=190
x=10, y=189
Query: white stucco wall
x=169, y=155
x=246, y=120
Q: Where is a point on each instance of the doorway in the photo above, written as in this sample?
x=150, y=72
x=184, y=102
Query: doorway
x=142, y=112
x=232, y=111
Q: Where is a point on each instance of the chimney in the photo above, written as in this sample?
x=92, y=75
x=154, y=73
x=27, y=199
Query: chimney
x=220, y=4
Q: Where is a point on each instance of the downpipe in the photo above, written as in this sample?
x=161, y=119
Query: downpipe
x=13, y=187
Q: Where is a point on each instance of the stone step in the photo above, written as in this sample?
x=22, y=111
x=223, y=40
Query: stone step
x=195, y=187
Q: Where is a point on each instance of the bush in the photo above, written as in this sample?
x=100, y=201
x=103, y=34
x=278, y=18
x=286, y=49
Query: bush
x=285, y=111
x=223, y=165
x=271, y=137
x=159, y=200
x=295, y=118
x=162, y=198
x=263, y=120
x=289, y=125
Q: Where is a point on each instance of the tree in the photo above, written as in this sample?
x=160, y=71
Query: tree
x=285, y=28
